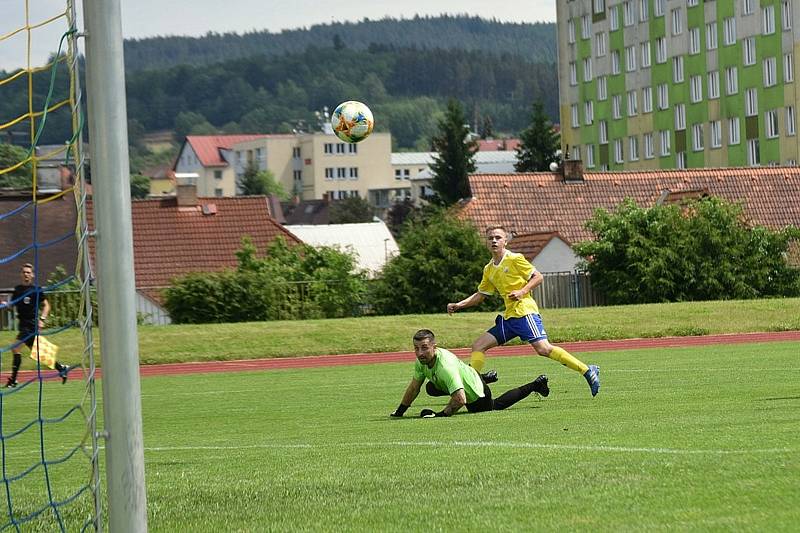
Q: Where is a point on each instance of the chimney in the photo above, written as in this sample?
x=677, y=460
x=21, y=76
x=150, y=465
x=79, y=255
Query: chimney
x=186, y=189
x=573, y=171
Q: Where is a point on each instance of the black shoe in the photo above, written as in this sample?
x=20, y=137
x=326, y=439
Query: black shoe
x=11, y=383
x=63, y=371
x=540, y=386
x=489, y=377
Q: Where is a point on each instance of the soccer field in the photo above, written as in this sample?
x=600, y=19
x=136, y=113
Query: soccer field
x=702, y=438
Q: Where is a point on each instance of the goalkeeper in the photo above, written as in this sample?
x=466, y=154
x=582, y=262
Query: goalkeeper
x=448, y=374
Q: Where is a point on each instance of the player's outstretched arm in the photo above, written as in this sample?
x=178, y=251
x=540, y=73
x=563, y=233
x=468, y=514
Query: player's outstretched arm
x=474, y=299
x=411, y=393
x=457, y=400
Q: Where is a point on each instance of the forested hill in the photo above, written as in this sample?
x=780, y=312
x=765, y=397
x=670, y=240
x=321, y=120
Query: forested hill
x=534, y=42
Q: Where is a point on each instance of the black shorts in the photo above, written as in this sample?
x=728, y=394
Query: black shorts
x=482, y=404
x=27, y=335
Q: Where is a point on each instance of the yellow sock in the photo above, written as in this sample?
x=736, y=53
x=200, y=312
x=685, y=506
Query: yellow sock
x=567, y=359
x=476, y=360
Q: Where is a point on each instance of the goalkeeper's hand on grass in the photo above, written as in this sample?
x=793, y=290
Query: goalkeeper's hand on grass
x=427, y=413
x=395, y=414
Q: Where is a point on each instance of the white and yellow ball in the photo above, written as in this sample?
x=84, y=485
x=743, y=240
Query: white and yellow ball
x=352, y=121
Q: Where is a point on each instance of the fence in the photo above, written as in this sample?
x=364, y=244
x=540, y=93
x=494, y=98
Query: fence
x=567, y=289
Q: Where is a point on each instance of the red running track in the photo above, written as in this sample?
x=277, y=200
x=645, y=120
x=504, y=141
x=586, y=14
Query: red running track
x=394, y=357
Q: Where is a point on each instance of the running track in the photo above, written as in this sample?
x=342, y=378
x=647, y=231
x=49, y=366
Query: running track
x=394, y=357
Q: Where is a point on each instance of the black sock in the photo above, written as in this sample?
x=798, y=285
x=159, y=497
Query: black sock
x=507, y=399
x=59, y=366
x=17, y=362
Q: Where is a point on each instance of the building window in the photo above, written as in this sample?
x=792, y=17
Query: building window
x=716, y=133
x=328, y=148
x=677, y=22
x=733, y=131
x=576, y=122
x=645, y=46
x=628, y=16
x=643, y=12
x=677, y=69
x=649, y=152
x=217, y=174
x=406, y=174
x=297, y=175
x=599, y=6
x=603, y=132
x=576, y=153
x=680, y=117
x=633, y=104
x=753, y=152
x=573, y=73
x=692, y=3
x=352, y=148
x=296, y=152
x=786, y=15
x=340, y=149
x=586, y=27
x=788, y=68
x=588, y=112
x=730, y=31
x=680, y=159
x=616, y=106
x=602, y=88
x=732, y=80
x=771, y=124
x=659, y=8
x=790, y=128
x=571, y=31
x=328, y=173
x=697, y=137
x=647, y=100
x=749, y=51
x=590, y=156
x=768, y=20
x=750, y=103
x=664, y=136
x=661, y=50
x=663, y=96
x=713, y=84
x=630, y=58
x=398, y=174
x=747, y=7
x=615, y=67
x=694, y=41
x=600, y=44
x=218, y=192
x=341, y=173
x=770, y=74
x=696, y=88
x=353, y=173
x=587, y=69
x=711, y=36
x=633, y=148
x=613, y=16
x=619, y=156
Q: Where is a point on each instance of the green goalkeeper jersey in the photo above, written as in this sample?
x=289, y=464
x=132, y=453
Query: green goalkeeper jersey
x=449, y=373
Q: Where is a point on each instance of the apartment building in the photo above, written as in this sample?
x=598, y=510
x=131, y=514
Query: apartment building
x=648, y=84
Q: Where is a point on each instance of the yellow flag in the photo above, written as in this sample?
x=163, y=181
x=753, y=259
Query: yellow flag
x=44, y=351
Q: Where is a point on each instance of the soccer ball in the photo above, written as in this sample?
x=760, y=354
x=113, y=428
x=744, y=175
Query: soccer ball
x=352, y=121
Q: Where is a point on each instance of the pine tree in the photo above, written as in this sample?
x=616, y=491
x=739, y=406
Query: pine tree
x=539, y=143
x=455, y=158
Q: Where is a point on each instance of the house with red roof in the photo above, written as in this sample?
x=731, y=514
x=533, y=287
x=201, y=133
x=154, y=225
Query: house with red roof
x=547, y=250
x=211, y=157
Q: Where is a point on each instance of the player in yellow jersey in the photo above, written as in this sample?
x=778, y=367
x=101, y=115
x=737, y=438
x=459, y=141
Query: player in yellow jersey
x=514, y=278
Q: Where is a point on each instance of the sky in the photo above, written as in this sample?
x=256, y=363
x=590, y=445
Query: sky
x=148, y=18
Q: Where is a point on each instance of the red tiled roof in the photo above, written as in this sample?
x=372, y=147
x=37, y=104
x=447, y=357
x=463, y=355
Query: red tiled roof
x=531, y=244
x=207, y=147
x=542, y=202
x=495, y=145
x=170, y=241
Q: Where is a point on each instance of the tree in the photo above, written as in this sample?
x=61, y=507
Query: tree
x=20, y=177
x=539, y=143
x=255, y=181
x=454, y=161
x=398, y=214
x=705, y=251
x=351, y=210
x=140, y=186
x=441, y=260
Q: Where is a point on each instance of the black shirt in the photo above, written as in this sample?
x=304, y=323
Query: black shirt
x=26, y=305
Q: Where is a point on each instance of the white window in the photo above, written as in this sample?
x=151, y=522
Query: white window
x=599, y=6
x=680, y=159
x=645, y=47
x=576, y=122
x=588, y=112
x=615, y=68
x=790, y=128
x=697, y=137
x=600, y=44
x=633, y=148
x=747, y=7
x=329, y=173
x=590, y=155
x=791, y=162
x=733, y=131
x=749, y=46
x=649, y=152
x=680, y=117
x=664, y=137
x=692, y=3
x=633, y=104
x=352, y=148
x=771, y=124
x=713, y=84
x=770, y=72
x=619, y=156
x=630, y=58
x=576, y=153
x=328, y=148
x=730, y=31
x=661, y=50
x=694, y=41
x=643, y=11
x=750, y=103
x=711, y=36
x=647, y=100
x=628, y=16
x=788, y=68
x=603, y=132
x=571, y=31
x=613, y=15
x=602, y=88
x=340, y=148
x=716, y=133
x=732, y=80
x=586, y=27
x=573, y=73
x=659, y=8
x=677, y=22
x=753, y=152
x=768, y=20
x=587, y=69
x=341, y=173
x=786, y=15
x=677, y=69
x=696, y=88
x=616, y=106
x=353, y=173
x=663, y=96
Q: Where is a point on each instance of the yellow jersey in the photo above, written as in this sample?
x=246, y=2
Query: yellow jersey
x=513, y=272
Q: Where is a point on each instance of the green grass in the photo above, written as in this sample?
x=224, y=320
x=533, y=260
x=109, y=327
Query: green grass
x=208, y=342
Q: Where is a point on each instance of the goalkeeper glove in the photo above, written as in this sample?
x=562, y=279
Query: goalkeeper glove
x=429, y=413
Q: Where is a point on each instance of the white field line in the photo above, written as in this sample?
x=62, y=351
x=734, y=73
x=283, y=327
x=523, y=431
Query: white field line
x=480, y=444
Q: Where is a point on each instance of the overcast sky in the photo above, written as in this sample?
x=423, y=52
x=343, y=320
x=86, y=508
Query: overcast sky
x=146, y=18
